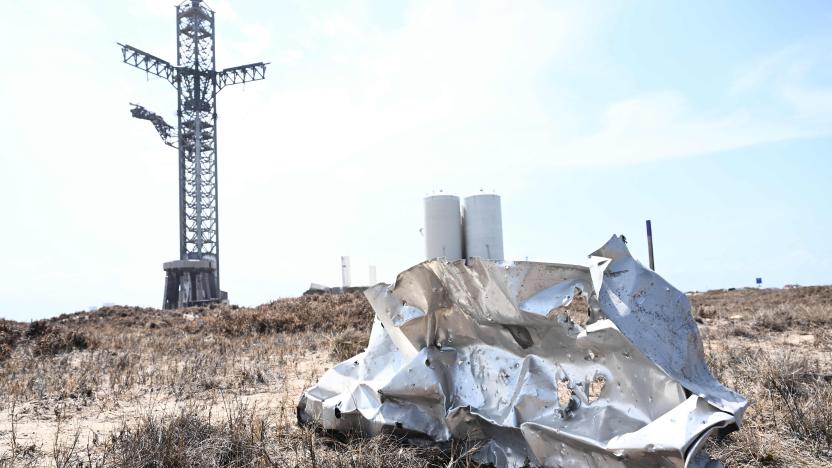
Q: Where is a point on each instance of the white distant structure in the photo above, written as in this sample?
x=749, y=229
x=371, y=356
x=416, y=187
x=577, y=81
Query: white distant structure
x=318, y=287
x=345, y=272
x=372, y=275
x=454, y=232
x=483, y=225
x=443, y=227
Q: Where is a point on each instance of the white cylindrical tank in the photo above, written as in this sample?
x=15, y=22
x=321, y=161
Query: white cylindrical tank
x=345, y=272
x=483, y=227
x=443, y=227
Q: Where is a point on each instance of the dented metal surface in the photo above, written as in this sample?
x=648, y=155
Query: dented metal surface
x=483, y=350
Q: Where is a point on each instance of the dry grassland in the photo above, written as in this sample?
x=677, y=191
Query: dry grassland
x=217, y=386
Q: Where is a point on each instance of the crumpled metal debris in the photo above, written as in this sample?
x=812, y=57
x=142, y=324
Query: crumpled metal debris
x=483, y=351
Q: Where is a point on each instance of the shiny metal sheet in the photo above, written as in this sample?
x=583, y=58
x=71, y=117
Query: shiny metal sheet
x=483, y=351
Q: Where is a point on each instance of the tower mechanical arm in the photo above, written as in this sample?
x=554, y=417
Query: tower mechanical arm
x=148, y=63
x=165, y=130
x=241, y=74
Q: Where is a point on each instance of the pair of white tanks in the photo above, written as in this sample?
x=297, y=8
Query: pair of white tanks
x=455, y=232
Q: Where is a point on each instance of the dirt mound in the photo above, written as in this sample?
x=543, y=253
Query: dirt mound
x=42, y=337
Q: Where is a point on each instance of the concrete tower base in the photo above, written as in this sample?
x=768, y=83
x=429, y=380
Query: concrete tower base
x=191, y=283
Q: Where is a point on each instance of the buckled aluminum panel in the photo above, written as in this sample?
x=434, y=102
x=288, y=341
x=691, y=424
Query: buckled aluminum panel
x=483, y=351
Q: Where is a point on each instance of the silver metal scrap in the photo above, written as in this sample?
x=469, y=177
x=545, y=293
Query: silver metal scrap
x=479, y=350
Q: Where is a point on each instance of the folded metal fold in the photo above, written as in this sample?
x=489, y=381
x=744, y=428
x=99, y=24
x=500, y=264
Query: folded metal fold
x=483, y=351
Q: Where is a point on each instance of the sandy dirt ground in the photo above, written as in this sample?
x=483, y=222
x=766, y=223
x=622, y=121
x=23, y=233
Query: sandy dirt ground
x=83, y=379
x=43, y=423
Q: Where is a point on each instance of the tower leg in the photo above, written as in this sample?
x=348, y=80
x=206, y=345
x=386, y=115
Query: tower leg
x=191, y=283
x=171, y=297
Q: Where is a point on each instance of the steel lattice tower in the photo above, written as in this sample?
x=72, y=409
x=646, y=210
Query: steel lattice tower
x=194, y=278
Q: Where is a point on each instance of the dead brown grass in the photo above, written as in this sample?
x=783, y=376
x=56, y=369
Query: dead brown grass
x=348, y=343
x=197, y=349
x=318, y=313
x=217, y=386
x=803, y=306
x=242, y=437
x=774, y=347
x=789, y=422
x=10, y=333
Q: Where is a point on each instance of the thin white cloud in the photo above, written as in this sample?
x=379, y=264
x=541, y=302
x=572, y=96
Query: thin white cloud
x=795, y=77
x=469, y=80
x=661, y=125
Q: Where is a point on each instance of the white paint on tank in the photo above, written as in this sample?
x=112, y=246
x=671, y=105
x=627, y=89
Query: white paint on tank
x=443, y=227
x=483, y=227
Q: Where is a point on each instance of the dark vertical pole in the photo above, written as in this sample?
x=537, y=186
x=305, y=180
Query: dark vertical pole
x=180, y=130
x=650, y=244
x=198, y=98
x=216, y=153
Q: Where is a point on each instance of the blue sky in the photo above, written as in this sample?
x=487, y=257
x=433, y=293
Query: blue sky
x=713, y=119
